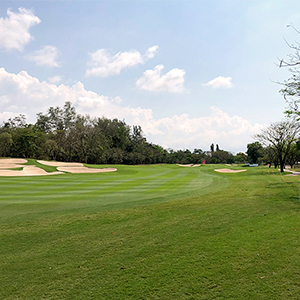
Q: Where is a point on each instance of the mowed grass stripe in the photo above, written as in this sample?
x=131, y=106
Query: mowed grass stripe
x=237, y=238
x=73, y=185
x=139, y=186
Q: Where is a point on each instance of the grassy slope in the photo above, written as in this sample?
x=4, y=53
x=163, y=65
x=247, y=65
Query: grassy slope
x=150, y=232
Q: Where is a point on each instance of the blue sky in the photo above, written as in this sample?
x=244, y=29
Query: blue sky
x=191, y=73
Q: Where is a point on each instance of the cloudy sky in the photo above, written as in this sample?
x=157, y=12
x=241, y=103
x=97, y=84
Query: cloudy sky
x=191, y=73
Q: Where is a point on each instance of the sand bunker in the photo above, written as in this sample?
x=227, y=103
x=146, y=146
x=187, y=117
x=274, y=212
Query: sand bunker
x=12, y=161
x=28, y=171
x=72, y=167
x=229, y=171
x=10, y=166
x=85, y=170
x=189, y=165
x=59, y=163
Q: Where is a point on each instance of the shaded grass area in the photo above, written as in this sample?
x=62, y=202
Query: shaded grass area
x=159, y=232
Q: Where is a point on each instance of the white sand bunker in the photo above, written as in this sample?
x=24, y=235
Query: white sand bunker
x=72, y=167
x=59, y=163
x=12, y=161
x=189, y=165
x=10, y=166
x=27, y=171
x=85, y=170
x=229, y=171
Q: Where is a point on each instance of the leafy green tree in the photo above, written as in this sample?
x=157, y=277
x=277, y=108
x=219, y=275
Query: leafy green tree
x=5, y=143
x=293, y=155
x=254, y=152
x=214, y=160
x=240, y=158
x=280, y=136
x=223, y=156
x=51, y=149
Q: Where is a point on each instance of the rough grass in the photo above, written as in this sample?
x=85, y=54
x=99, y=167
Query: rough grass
x=150, y=232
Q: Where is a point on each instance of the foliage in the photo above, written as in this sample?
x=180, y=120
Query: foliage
x=291, y=86
x=280, y=136
x=240, y=158
x=62, y=134
x=222, y=156
x=254, y=152
x=5, y=143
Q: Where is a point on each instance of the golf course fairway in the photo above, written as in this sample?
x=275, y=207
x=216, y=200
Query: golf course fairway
x=151, y=232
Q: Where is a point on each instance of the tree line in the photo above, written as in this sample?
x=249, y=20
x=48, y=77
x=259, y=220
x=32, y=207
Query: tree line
x=64, y=135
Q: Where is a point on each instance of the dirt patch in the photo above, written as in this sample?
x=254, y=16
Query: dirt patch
x=229, y=171
x=59, y=163
x=85, y=170
x=196, y=165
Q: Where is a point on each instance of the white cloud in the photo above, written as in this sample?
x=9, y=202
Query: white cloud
x=14, y=29
x=55, y=79
x=220, y=82
x=103, y=64
x=150, y=53
x=47, y=56
x=22, y=93
x=152, y=80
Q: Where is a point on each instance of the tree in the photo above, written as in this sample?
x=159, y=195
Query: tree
x=223, y=156
x=5, y=143
x=57, y=118
x=270, y=156
x=217, y=147
x=280, y=136
x=214, y=160
x=291, y=86
x=51, y=149
x=253, y=152
x=212, y=148
x=293, y=156
x=16, y=122
x=240, y=158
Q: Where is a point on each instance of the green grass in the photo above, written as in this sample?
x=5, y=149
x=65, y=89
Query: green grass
x=150, y=232
x=33, y=162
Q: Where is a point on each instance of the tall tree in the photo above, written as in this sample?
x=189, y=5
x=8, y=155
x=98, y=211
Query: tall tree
x=291, y=86
x=280, y=136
